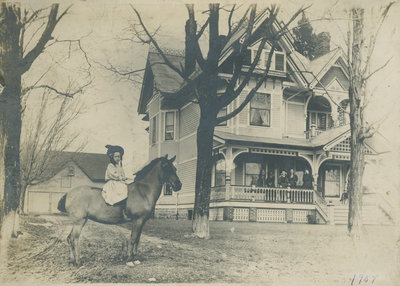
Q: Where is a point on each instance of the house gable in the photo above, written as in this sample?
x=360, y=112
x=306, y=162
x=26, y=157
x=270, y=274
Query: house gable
x=336, y=76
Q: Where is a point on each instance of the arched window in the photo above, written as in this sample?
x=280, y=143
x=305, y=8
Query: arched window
x=319, y=114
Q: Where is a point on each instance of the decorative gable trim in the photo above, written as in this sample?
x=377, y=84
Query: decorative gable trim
x=341, y=147
x=335, y=85
x=332, y=62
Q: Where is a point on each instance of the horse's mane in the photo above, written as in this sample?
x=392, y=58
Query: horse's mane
x=142, y=173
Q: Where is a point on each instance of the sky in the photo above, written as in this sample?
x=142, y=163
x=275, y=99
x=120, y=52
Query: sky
x=110, y=115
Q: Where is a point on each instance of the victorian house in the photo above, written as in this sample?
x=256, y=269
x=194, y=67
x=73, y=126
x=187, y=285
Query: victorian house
x=297, y=120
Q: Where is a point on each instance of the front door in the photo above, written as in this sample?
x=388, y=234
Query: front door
x=332, y=181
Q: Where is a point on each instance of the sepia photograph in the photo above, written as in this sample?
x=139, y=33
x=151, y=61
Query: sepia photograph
x=188, y=142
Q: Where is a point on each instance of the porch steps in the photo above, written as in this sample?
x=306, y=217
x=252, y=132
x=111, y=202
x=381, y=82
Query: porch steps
x=370, y=215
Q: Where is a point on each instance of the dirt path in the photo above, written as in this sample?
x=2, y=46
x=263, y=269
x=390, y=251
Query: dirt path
x=274, y=254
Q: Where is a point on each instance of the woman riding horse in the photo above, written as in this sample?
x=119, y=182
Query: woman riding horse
x=83, y=203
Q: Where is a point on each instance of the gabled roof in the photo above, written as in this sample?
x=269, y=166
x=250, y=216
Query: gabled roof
x=167, y=81
x=320, y=66
x=92, y=164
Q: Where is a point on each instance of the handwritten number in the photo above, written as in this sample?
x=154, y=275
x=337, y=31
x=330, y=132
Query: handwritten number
x=366, y=279
x=363, y=278
x=373, y=280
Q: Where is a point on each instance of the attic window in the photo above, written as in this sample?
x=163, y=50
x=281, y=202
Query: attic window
x=278, y=61
x=71, y=171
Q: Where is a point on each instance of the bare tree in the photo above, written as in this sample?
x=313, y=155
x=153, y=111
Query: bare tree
x=360, y=52
x=25, y=34
x=204, y=87
x=44, y=137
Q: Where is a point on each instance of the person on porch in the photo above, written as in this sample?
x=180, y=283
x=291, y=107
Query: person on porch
x=262, y=180
x=283, y=181
x=292, y=179
x=308, y=180
x=115, y=188
x=271, y=180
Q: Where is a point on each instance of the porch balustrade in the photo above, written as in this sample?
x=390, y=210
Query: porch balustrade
x=277, y=195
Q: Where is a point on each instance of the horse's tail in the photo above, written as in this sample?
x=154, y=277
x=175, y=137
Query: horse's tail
x=61, y=204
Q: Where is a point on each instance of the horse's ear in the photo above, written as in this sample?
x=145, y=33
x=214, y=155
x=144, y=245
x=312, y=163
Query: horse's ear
x=166, y=156
x=172, y=159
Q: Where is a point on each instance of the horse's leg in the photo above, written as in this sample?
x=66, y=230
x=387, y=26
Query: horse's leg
x=136, y=230
x=71, y=247
x=136, y=244
x=75, y=235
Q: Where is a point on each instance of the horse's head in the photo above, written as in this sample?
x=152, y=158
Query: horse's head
x=170, y=175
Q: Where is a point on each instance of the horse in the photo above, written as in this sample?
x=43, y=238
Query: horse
x=85, y=202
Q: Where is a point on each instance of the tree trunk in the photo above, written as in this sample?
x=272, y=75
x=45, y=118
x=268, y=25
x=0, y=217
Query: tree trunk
x=10, y=112
x=205, y=133
x=356, y=94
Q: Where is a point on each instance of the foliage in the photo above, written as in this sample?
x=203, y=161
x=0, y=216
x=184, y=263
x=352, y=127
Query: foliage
x=308, y=43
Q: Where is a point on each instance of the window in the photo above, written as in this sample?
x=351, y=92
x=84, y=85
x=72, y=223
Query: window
x=221, y=113
x=260, y=108
x=71, y=171
x=280, y=62
x=251, y=173
x=322, y=120
x=169, y=125
x=66, y=182
x=220, y=173
x=277, y=61
x=153, y=129
x=167, y=190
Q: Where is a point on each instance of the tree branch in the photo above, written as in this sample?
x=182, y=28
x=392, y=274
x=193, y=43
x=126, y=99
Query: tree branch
x=52, y=21
x=155, y=44
x=377, y=70
x=230, y=20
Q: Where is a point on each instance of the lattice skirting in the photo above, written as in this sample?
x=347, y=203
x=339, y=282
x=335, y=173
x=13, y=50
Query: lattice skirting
x=268, y=215
x=300, y=216
x=241, y=214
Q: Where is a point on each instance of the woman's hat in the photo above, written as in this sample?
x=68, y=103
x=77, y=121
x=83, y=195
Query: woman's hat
x=112, y=149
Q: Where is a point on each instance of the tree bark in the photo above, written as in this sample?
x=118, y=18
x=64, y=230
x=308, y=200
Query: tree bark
x=205, y=135
x=356, y=94
x=10, y=109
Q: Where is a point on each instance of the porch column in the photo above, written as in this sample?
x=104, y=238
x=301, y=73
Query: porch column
x=315, y=175
x=228, y=172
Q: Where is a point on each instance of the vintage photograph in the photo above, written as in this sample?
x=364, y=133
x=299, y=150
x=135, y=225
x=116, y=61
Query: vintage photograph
x=194, y=142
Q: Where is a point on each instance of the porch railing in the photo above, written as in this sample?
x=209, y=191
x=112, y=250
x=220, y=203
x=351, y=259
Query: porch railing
x=321, y=206
x=218, y=193
x=277, y=195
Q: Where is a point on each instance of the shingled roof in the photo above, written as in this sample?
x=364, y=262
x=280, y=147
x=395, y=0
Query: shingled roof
x=92, y=164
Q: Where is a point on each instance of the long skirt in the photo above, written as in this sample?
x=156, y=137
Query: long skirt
x=114, y=192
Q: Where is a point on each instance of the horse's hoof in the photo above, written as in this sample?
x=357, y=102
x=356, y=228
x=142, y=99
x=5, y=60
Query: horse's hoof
x=130, y=264
x=136, y=262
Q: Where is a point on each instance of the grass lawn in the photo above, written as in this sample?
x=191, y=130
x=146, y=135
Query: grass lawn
x=272, y=254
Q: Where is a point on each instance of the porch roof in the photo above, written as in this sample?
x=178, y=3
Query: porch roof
x=378, y=144
x=315, y=143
